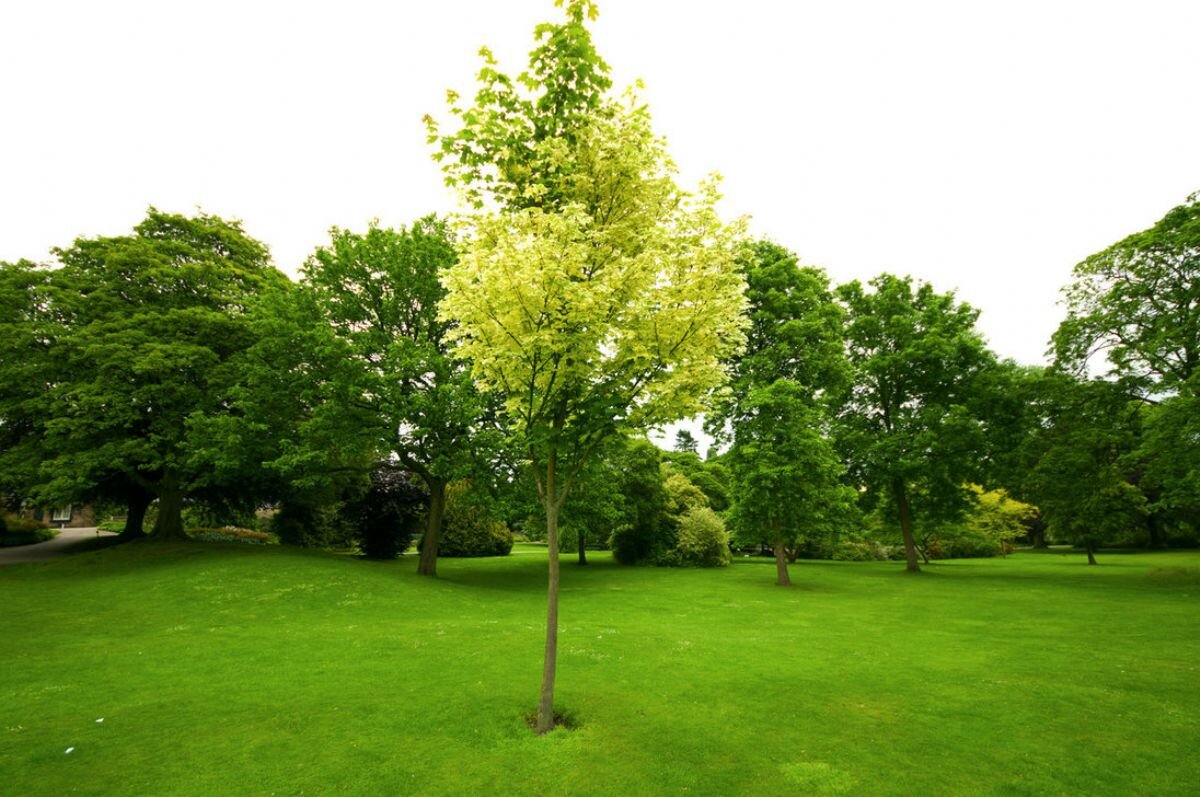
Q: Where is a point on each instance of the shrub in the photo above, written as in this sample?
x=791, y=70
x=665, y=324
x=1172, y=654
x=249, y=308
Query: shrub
x=469, y=528
x=23, y=531
x=703, y=541
x=300, y=523
x=865, y=551
x=232, y=534
x=389, y=514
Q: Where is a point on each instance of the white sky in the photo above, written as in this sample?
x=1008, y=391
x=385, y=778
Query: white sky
x=982, y=146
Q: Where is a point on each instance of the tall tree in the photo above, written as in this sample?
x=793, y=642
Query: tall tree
x=906, y=421
x=150, y=324
x=1137, y=302
x=380, y=291
x=597, y=298
x=1078, y=476
x=788, y=477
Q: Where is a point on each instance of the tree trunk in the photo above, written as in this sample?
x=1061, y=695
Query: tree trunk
x=924, y=553
x=545, y=713
x=1087, y=543
x=583, y=547
x=169, y=525
x=427, y=563
x=781, y=566
x=900, y=494
x=135, y=515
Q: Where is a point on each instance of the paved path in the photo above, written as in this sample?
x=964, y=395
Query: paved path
x=66, y=539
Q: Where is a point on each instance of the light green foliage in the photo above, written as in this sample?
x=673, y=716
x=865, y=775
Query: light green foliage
x=997, y=518
x=703, y=540
x=594, y=296
x=1136, y=302
x=682, y=495
x=789, y=485
x=152, y=324
x=470, y=527
x=710, y=475
x=514, y=145
x=907, y=426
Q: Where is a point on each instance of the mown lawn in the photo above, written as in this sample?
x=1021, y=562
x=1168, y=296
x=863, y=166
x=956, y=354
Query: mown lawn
x=222, y=670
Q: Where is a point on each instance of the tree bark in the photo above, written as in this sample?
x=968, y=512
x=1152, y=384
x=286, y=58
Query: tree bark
x=781, y=563
x=1087, y=543
x=545, y=713
x=583, y=547
x=169, y=525
x=900, y=494
x=427, y=563
x=135, y=514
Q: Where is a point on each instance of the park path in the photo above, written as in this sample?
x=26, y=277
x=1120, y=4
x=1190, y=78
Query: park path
x=66, y=539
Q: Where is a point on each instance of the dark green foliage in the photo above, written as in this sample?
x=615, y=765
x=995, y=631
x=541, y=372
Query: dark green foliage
x=909, y=426
x=23, y=531
x=788, y=478
x=470, y=528
x=645, y=536
x=388, y=515
x=303, y=522
x=795, y=333
x=1136, y=302
x=1078, y=476
x=711, y=476
x=148, y=327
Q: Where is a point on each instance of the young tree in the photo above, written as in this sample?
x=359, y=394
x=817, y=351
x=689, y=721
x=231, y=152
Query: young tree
x=597, y=298
x=788, y=478
x=150, y=325
x=685, y=442
x=906, y=421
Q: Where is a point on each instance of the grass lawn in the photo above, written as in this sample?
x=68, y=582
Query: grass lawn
x=231, y=670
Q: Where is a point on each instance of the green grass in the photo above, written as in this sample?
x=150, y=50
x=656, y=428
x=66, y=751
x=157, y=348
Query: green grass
x=224, y=669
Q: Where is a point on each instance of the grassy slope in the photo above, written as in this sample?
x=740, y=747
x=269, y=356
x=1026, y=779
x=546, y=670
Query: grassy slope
x=239, y=670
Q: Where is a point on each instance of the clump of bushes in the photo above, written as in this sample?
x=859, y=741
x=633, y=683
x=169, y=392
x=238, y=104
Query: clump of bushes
x=390, y=513
x=23, y=531
x=703, y=541
x=469, y=528
x=232, y=534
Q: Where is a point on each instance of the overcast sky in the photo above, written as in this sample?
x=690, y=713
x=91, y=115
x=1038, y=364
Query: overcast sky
x=985, y=147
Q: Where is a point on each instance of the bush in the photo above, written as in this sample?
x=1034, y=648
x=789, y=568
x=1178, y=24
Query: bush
x=299, y=523
x=469, y=528
x=232, y=534
x=23, y=531
x=865, y=551
x=390, y=513
x=703, y=541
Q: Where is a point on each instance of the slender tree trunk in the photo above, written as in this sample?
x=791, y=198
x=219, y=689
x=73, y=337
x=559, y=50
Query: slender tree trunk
x=583, y=547
x=1037, y=534
x=924, y=554
x=427, y=563
x=545, y=713
x=781, y=565
x=169, y=525
x=1155, y=530
x=135, y=514
x=900, y=494
x=1087, y=543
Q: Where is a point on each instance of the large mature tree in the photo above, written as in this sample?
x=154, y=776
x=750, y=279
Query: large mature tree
x=1138, y=301
x=907, y=422
x=1078, y=470
x=597, y=297
x=788, y=477
x=27, y=330
x=150, y=323
x=795, y=332
x=379, y=291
